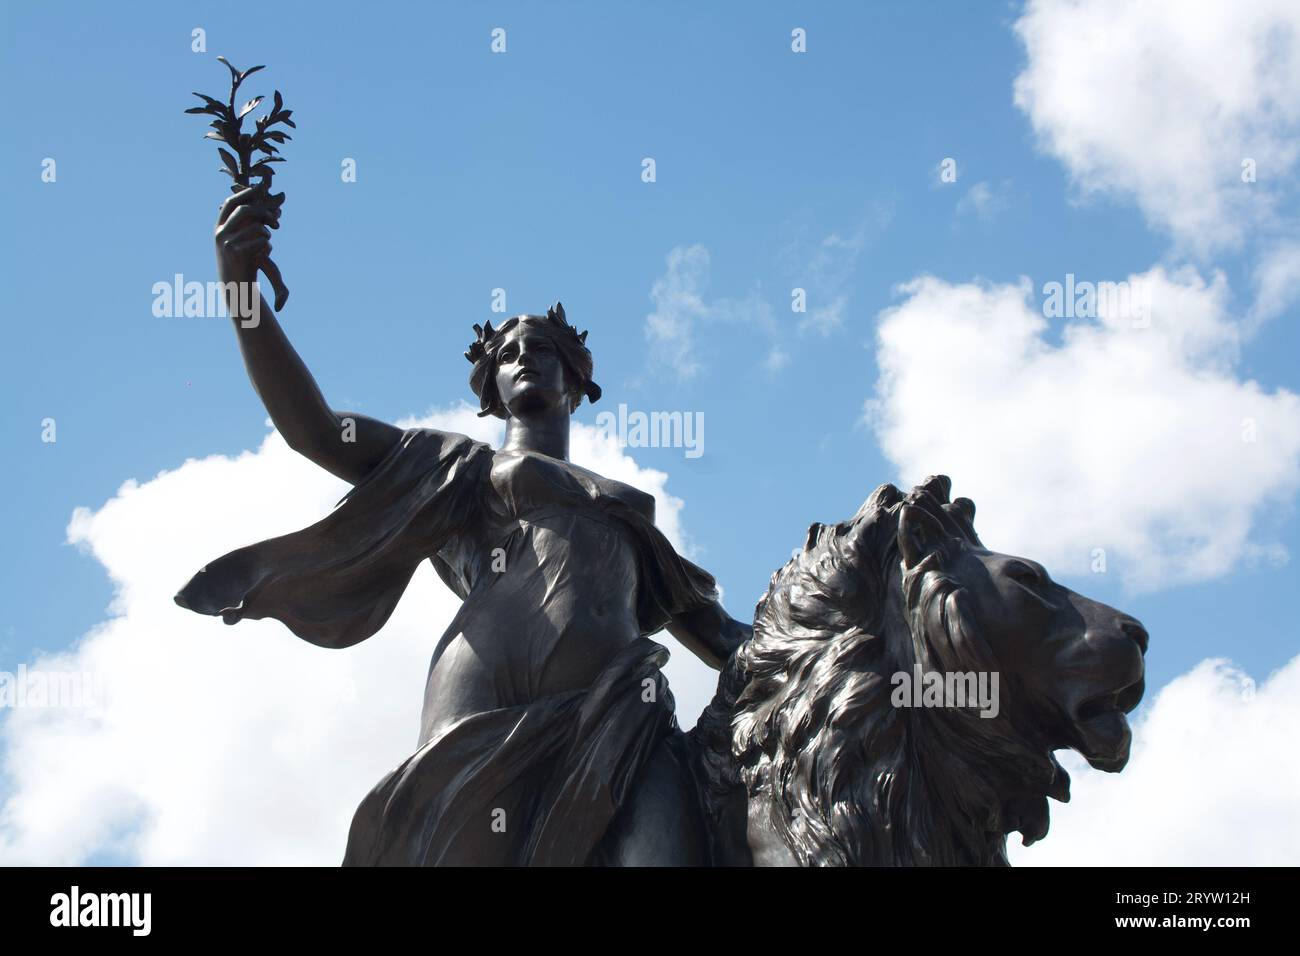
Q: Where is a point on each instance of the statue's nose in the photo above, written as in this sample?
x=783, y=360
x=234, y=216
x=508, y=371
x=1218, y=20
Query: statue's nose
x=1134, y=630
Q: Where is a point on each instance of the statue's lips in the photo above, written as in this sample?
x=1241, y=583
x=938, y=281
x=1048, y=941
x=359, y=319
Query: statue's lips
x=1102, y=730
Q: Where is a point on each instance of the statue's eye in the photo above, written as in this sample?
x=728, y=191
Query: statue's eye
x=1022, y=573
x=1032, y=582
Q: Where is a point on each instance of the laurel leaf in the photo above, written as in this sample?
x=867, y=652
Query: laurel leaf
x=234, y=73
x=229, y=160
x=214, y=103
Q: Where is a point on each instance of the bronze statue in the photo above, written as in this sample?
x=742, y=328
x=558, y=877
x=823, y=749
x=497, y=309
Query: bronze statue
x=548, y=732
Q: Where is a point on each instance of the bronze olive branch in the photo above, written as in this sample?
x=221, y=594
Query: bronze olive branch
x=244, y=166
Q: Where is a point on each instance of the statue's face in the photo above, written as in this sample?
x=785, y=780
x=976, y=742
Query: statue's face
x=1075, y=665
x=529, y=372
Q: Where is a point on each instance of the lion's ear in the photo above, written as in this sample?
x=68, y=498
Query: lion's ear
x=919, y=535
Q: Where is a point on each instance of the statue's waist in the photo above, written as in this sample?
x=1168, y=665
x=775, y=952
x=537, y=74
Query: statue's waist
x=492, y=661
x=584, y=521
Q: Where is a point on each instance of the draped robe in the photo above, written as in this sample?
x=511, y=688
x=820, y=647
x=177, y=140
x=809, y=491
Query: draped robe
x=537, y=781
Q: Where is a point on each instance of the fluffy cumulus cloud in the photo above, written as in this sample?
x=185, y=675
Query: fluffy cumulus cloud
x=235, y=745
x=1211, y=782
x=1163, y=101
x=1132, y=433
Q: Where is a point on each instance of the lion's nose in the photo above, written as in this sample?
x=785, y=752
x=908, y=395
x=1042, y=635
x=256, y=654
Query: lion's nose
x=1134, y=630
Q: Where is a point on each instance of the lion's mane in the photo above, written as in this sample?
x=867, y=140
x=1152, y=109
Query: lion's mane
x=844, y=777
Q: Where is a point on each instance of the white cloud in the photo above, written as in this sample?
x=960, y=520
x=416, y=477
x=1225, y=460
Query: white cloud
x=825, y=317
x=1212, y=781
x=776, y=360
x=824, y=269
x=983, y=200
x=680, y=308
x=236, y=745
x=1277, y=282
x=1162, y=101
x=1134, y=440
x=826, y=273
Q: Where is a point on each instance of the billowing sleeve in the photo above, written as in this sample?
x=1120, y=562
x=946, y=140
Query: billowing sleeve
x=670, y=585
x=336, y=582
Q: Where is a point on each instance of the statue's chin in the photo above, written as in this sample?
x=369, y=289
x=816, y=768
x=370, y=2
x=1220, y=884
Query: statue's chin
x=1104, y=740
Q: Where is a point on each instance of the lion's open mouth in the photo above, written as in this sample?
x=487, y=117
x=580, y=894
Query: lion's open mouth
x=1102, y=730
x=1123, y=701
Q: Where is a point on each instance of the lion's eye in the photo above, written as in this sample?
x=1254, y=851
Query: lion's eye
x=1031, y=581
x=1024, y=574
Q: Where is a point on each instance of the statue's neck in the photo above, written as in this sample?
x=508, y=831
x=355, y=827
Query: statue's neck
x=546, y=434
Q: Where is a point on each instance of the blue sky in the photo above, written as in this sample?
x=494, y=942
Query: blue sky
x=522, y=171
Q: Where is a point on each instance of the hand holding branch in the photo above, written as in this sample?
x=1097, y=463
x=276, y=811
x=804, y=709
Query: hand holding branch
x=243, y=241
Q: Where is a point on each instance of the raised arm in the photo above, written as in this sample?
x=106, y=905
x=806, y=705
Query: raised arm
x=343, y=443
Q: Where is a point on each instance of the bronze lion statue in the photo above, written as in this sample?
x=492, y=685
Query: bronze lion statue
x=813, y=753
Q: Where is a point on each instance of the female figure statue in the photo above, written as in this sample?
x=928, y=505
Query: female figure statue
x=548, y=734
